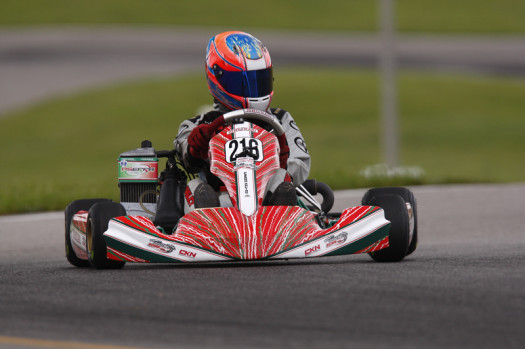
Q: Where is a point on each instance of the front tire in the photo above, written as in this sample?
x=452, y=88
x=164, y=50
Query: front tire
x=98, y=219
x=410, y=200
x=71, y=210
x=396, y=212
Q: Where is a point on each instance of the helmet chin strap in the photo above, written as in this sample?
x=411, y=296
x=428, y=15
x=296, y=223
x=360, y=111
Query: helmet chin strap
x=262, y=103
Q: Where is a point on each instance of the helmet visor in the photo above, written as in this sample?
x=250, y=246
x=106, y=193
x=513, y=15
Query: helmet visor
x=251, y=83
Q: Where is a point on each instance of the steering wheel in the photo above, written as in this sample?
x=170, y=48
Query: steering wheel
x=249, y=114
x=252, y=114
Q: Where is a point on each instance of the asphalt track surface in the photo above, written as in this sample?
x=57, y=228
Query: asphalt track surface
x=464, y=287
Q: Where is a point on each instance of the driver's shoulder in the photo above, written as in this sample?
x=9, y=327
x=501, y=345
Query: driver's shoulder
x=206, y=118
x=279, y=113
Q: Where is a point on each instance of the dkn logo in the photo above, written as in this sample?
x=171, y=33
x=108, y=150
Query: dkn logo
x=312, y=250
x=187, y=254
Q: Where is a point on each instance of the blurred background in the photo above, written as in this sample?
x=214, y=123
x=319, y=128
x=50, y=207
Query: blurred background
x=81, y=82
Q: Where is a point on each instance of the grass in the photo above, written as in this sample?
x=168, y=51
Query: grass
x=448, y=16
x=458, y=129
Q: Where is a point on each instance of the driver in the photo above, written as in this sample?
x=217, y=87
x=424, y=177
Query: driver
x=239, y=75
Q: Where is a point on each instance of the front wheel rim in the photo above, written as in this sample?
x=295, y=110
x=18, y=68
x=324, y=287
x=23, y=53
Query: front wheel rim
x=89, y=237
x=411, y=222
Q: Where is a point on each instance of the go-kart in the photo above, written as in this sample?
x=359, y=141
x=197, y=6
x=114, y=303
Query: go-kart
x=148, y=224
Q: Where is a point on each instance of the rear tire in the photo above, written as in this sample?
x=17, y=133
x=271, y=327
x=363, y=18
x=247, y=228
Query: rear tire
x=71, y=209
x=98, y=219
x=315, y=187
x=409, y=198
x=396, y=212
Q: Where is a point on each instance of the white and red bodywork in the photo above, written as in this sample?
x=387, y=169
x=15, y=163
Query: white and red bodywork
x=248, y=230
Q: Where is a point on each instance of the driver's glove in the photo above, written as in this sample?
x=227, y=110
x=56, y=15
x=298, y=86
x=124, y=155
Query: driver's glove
x=199, y=140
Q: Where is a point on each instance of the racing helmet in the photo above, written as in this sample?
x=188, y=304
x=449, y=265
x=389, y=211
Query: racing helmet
x=239, y=71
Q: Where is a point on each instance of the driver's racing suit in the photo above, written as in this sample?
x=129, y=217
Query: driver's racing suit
x=298, y=164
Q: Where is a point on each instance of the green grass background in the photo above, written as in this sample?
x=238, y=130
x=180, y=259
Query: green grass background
x=444, y=16
x=457, y=128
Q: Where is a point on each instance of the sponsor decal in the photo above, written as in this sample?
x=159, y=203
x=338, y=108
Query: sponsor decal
x=246, y=184
x=187, y=254
x=159, y=245
x=294, y=125
x=244, y=163
x=79, y=239
x=242, y=129
x=335, y=240
x=137, y=170
x=301, y=144
x=312, y=250
x=257, y=111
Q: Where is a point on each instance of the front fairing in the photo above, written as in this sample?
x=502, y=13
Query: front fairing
x=225, y=234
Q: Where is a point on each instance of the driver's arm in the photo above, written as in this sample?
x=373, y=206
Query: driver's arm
x=191, y=163
x=299, y=161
